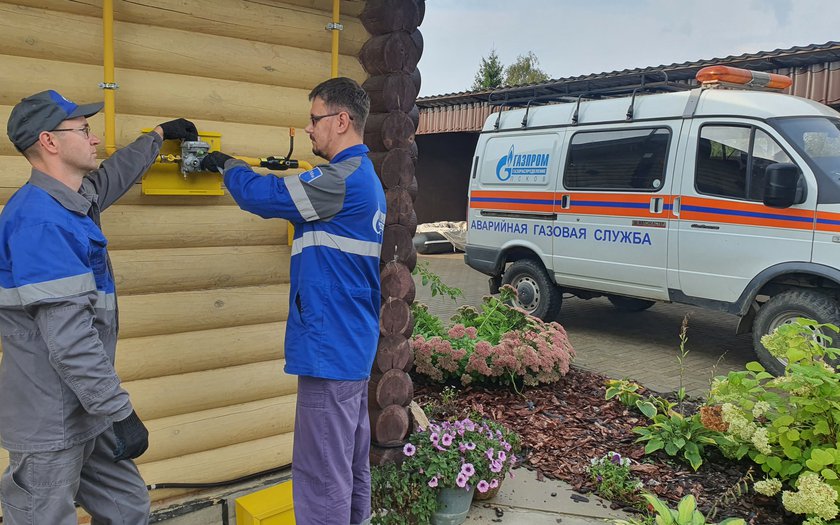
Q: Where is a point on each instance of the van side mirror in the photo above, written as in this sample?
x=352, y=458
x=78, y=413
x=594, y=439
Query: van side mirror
x=784, y=185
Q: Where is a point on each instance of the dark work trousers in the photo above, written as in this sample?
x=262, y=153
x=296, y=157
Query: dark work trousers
x=39, y=488
x=330, y=464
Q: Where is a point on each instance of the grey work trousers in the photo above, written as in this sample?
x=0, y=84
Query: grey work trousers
x=40, y=488
x=330, y=463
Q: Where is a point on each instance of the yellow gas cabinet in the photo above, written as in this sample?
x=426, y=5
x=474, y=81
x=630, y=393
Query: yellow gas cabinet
x=169, y=176
x=271, y=506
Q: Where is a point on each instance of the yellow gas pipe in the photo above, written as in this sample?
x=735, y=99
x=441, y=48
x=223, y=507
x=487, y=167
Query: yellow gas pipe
x=109, y=85
x=336, y=27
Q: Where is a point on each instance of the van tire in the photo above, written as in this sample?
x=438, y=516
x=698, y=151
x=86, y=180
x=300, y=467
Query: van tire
x=784, y=308
x=630, y=304
x=542, y=297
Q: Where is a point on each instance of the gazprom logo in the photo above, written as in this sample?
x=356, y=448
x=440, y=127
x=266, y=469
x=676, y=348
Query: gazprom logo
x=531, y=165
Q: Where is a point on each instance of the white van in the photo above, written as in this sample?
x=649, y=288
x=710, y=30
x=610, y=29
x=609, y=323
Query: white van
x=727, y=199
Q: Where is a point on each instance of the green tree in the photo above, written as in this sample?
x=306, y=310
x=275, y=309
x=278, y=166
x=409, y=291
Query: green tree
x=525, y=71
x=490, y=72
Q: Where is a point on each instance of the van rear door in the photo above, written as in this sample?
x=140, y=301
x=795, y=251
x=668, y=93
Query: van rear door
x=614, y=209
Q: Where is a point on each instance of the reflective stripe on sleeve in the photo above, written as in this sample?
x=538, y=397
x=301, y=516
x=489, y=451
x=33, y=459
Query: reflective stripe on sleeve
x=57, y=289
x=301, y=200
x=344, y=244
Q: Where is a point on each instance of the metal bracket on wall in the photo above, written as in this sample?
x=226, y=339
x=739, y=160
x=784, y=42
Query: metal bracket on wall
x=109, y=85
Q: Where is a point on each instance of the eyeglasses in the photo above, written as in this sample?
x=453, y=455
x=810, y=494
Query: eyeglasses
x=314, y=119
x=85, y=129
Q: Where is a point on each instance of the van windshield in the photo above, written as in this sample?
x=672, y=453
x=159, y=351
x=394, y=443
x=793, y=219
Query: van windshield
x=818, y=140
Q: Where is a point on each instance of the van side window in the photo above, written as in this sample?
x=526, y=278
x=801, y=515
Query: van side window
x=731, y=161
x=618, y=160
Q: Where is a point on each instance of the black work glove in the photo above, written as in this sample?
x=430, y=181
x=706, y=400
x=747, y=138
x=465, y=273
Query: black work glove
x=215, y=161
x=132, y=438
x=179, y=129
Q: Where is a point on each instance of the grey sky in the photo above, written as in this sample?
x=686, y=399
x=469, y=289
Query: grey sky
x=579, y=37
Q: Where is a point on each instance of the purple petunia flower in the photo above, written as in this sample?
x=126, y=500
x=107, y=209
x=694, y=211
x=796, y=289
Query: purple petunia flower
x=483, y=486
x=433, y=482
x=446, y=440
x=494, y=483
x=502, y=455
x=490, y=454
x=470, y=445
x=434, y=437
x=495, y=466
x=468, y=469
x=409, y=449
x=461, y=480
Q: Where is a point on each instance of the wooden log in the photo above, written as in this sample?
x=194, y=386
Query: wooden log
x=159, y=94
x=384, y=16
x=380, y=455
x=187, y=352
x=394, y=167
x=389, y=53
x=396, y=281
x=387, y=131
x=400, y=209
x=40, y=33
x=390, y=425
x=226, y=463
x=395, y=318
x=185, y=393
x=394, y=387
x=416, y=78
x=417, y=39
x=171, y=313
x=139, y=271
x=393, y=353
x=412, y=188
x=348, y=7
x=176, y=436
x=414, y=115
x=130, y=227
x=393, y=92
x=236, y=19
x=421, y=9
x=398, y=245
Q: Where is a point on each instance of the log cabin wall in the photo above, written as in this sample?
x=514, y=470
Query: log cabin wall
x=203, y=287
x=390, y=57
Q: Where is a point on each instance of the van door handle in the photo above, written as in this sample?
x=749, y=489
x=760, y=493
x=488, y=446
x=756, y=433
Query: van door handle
x=656, y=205
x=565, y=202
x=675, y=206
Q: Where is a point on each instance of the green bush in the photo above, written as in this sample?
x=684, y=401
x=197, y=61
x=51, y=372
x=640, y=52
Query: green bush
x=400, y=496
x=789, y=425
x=686, y=513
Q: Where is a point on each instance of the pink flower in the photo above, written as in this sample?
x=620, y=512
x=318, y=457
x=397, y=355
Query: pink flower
x=446, y=440
x=409, y=449
x=468, y=469
x=494, y=483
x=483, y=486
x=433, y=482
x=461, y=480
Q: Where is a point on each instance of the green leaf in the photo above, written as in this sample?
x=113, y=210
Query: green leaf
x=662, y=510
x=783, y=421
x=828, y=473
x=823, y=456
x=821, y=428
x=814, y=465
x=754, y=366
x=792, y=435
x=647, y=408
x=793, y=452
x=686, y=508
x=653, y=445
x=775, y=463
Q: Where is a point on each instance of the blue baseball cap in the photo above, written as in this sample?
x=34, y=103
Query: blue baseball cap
x=43, y=111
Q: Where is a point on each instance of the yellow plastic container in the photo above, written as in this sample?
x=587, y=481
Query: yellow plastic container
x=271, y=506
x=167, y=179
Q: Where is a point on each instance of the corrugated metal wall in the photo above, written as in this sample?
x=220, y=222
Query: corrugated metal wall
x=820, y=82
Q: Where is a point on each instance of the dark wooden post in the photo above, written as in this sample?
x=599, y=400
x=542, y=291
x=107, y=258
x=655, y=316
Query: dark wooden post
x=390, y=57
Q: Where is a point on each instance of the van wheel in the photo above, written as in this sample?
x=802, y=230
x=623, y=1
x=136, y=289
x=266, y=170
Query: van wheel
x=630, y=304
x=785, y=308
x=535, y=292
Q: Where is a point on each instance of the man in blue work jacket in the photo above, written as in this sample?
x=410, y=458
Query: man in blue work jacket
x=338, y=211
x=69, y=427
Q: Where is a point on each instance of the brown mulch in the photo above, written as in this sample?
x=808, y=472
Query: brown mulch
x=564, y=425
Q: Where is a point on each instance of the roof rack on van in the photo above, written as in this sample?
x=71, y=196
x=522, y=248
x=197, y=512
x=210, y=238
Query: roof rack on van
x=583, y=91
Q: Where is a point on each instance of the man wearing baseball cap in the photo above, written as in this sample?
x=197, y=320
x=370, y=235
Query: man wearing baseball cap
x=69, y=427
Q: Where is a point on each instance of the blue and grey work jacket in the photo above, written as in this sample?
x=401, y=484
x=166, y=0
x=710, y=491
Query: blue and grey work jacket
x=338, y=211
x=58, y=307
